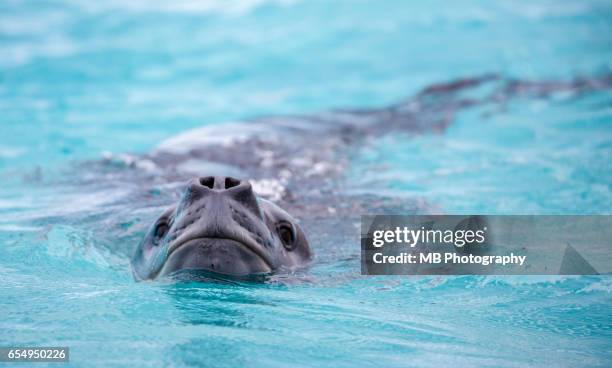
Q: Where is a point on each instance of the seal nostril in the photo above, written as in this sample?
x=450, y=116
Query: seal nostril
x=231, y=182
x=208, y=181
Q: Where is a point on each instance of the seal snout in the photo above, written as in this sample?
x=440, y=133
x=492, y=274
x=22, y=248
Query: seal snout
x=225, y=189
x=224, y=212
x=219, y=207
x=219, y=183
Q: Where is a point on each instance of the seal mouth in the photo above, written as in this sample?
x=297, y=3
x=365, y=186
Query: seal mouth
x=254, y=248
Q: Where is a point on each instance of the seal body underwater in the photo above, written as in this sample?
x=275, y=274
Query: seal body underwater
x=233, y=227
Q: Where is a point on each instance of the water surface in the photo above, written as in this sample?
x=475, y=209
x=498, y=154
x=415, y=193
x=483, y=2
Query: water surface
x=78, y=79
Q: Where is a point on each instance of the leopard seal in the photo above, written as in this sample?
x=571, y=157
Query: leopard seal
x=221, y=227
x=298, y=163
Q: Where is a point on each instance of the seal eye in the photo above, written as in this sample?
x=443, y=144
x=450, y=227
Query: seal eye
x=286, y=233
x=160, y=231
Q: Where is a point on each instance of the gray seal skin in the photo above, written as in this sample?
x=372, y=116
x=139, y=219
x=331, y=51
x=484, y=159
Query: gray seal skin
x=219, y=226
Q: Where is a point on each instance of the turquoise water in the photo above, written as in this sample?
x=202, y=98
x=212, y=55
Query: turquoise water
x=79, y=78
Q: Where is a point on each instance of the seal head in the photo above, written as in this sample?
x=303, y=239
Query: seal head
x=220, y=226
